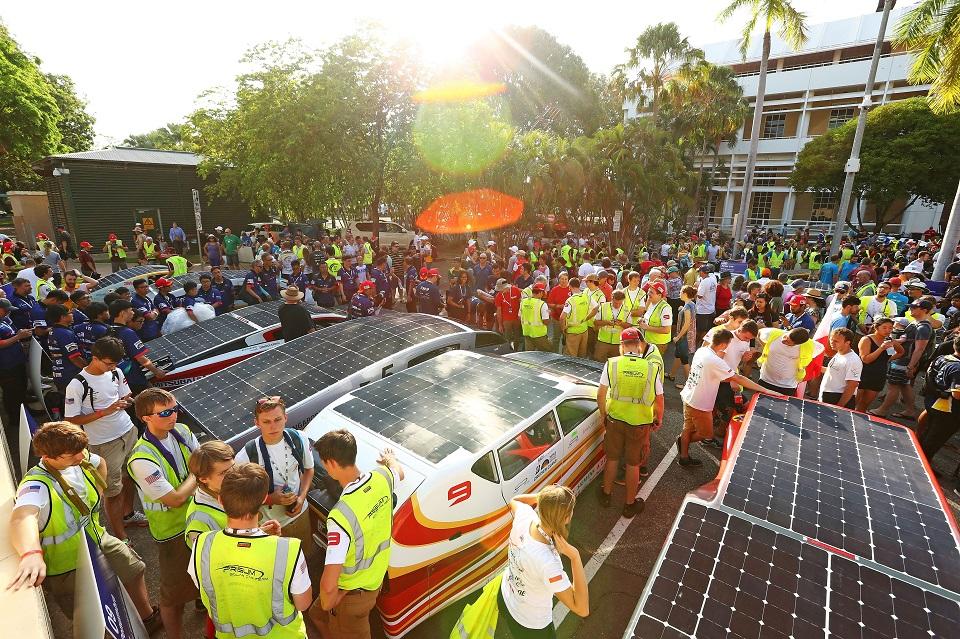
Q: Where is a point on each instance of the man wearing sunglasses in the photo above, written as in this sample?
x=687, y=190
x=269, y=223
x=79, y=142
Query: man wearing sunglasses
x=160, y=467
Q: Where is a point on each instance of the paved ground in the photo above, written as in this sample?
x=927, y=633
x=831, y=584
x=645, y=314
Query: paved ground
x=618, y=555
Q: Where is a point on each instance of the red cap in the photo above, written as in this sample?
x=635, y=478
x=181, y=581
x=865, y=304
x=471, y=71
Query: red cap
x=367, y=284
x=539, y=286
x=895, y=281
x=630, y=335
x=86, y=244
x=42, y=236
x=659, y=287
x=424, y=273
x=434, y=272
x=112, y=236
x=161, y=282
x=798, y=299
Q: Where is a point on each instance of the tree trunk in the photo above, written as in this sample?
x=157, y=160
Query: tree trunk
x=740, y=230
x=951, y=235
x=696, y=194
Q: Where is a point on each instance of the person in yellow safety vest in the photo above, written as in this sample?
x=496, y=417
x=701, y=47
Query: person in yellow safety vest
x=864, y=285
x=752, y=272
x=238, y=605
x=846, y=253
x=177, y=265
x=45, y=284
x=359, y=531
x=11, y=265
x=573, y=320
x=528, y=291
x=116, y=253
x=533, y=257
x=149, y=249
x=635, y=298
x=785, y=357
x=333, y=261
x=57, y=504
x=596, y=297
x=657, y=321
x=876, y=306
x=699, y=251
x=565, y=253
x=611, y=318
x=298, y=248
x=630, y=399
x=159, y=465
x=534, y=317
x=367, y=252
x=814, y=263
x=776, y=260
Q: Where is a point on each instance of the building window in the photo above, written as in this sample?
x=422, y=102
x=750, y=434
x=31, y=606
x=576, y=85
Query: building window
x=764, y=177
x=824, y=206
x=774, y=126
x=708, y=208
x=839, y=116
x=760, y=207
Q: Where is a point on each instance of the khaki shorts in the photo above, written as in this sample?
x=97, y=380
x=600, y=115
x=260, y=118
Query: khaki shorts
x=623, y=441
x=176, y=587
x=576, y=345
x=301, y=529
x=603, y=351
x=123, y=560
x=351, y=618
x=699, y=422
x=115, y=453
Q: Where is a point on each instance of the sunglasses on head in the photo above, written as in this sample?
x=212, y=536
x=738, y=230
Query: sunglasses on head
x=264, y=400
x=168, y=412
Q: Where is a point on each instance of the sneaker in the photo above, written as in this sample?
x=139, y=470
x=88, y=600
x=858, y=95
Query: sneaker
x=678, y=443
x=153, y=623
x=713, y=442
x=629, y=510
x=604, y=497
x=689, y=461
x=136, y=518
x=644, y=472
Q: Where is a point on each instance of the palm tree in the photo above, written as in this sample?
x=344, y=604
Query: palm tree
x=666, y=50
x=932, y=31
x=793, y=29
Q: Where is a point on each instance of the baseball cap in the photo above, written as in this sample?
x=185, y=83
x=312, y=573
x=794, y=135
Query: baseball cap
x=434, y=272
x=725, y=275
x=765, y=272
x=424, y=272
x=705, y=268
x=501, y=285
x=926, y=305
x=112, y=236
x=161, y=282
x=659, y=287
x=367, y=284
x=86, y=244
x=491, y=243
x=5, y=304
x=798, y=300
x=539, y=286
x=841, y=286
x=895, y=281
x=630, y=335
x=673, y=269
x=593, y=277
x=916, y=284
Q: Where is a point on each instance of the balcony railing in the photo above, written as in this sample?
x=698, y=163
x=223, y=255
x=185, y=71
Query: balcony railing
x=814, y=65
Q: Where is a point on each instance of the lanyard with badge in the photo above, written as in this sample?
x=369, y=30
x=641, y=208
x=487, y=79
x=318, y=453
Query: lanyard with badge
x=167, y=455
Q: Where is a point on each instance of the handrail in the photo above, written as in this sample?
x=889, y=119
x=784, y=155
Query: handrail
x=814, y=65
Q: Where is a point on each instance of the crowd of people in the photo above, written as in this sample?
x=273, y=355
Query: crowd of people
x=860, y=329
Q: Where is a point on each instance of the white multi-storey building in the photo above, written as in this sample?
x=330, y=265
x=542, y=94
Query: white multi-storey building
x=808, y=92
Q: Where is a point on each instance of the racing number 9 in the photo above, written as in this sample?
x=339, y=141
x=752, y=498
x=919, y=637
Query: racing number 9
x=459, y=493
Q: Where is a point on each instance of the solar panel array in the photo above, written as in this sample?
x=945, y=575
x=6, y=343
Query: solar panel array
x=584, y=369
x=200, y=337
x=109, y=283
x=179, y=280
x=297, y=370
x=829, y=523
x=450, y=402
x=265, y=314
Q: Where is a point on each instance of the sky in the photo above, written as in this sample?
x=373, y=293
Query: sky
x=142, y=65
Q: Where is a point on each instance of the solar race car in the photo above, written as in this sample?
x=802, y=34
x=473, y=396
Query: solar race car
x=113, y=281
x=471, y=431
x=205, y=348
x=312, y=371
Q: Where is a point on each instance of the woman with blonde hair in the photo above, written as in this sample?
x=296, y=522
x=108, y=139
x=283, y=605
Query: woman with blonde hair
x=534, y=572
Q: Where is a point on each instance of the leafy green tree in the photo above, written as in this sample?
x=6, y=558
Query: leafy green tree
x=909, y=153
x=172, y=137
x=74, y=123
x=793, y=29
x=28, y=115
x=658, y=52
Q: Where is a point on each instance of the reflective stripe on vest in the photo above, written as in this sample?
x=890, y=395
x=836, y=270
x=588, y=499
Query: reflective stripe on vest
x=367, y=253
x=611, y=334
x=165, y=522
x=776, y=259
x=369, y=553
x=121, y=252
x=656, y=321
x=633, y=299
x=221, y=566
x=579, y=307
x=202, y=518
x=60, y=536
x=149, y=250
x=531, y=319
x=632, y=388
x=298, y=252
x=597, y=298
x=814, y=261
x=869, y=289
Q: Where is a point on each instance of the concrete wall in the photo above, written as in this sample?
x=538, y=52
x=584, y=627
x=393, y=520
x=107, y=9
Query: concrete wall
x=31, y=216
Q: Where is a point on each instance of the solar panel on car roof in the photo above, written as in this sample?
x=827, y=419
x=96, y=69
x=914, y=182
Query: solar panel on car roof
x=199, y=337
x=127, y=273
x=829, y=524
x=450, y=402
x=302, y=368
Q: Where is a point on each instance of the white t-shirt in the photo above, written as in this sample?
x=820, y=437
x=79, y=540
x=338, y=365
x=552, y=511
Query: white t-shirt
x=104, y=391
x=36, y=493
x=666, y=315
x=665, y=249
x=28, y=274
x=707, y=296
x=735, y=348
x=299, y=583
x=841, y=369
x=780, y=369
x=707, y=371
x=285, y=472
x=534, y=574
x=148, y=474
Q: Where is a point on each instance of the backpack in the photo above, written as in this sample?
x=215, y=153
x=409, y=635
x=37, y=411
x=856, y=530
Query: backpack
x=88, y=391
x=254, y=447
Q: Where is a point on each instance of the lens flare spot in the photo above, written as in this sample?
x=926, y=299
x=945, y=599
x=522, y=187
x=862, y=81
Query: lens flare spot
x=461, y=91
x=470, y=211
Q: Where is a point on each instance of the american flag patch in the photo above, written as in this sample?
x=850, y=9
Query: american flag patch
x=556, y=579
x=29, y=488
x=154, y=478
x=69, y=400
